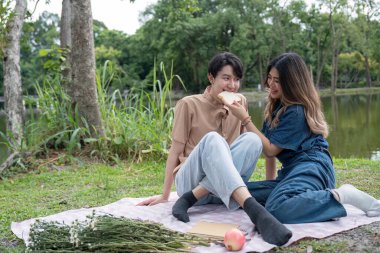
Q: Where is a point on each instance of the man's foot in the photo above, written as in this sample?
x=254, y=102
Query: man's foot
x=269, y=227
x=181, y=206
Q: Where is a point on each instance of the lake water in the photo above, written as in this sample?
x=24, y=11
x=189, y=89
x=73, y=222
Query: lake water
x=354, y=122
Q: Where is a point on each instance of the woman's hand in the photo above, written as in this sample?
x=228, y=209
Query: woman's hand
x=153, y=201
x=238, y=110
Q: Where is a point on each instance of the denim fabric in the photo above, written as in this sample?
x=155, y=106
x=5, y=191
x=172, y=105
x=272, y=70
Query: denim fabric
x=302, y=191
x=292, y=133
x=219, y=168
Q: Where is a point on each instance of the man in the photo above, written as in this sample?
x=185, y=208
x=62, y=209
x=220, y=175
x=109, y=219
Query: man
x=212, y=157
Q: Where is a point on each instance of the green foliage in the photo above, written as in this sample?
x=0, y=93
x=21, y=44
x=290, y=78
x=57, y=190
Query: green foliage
x=137, y=125
x=40, y=51
x=190, y=32
x=6, y=16
x=54, y=59
x=350, y=66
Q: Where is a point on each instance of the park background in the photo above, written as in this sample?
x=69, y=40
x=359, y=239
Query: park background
x=139, y=77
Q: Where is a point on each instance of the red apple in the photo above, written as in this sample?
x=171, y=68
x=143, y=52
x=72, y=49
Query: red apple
x=234, y=239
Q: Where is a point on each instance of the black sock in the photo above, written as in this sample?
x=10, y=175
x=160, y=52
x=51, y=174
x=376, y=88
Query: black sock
x=181, y=206
x=268, y=226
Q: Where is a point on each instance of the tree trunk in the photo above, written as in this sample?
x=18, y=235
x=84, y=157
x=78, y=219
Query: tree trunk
x=321, y=45
x=367, y=72
x=334, y=68
x=12, y=75
x=311, y=76
x=319, y=68
x=334, y=63
x=83, y=66
x=65, y=37
x=261, y=74
x=319, y=73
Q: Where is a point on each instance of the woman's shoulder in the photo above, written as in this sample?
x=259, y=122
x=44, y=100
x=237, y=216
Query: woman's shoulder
x=296, y=108
x=294, y=111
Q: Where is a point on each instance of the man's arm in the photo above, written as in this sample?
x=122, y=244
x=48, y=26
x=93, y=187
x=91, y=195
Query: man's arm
x=172, y=162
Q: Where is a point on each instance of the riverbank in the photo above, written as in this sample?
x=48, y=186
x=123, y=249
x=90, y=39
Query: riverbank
x=254, y=95
x=64, y=183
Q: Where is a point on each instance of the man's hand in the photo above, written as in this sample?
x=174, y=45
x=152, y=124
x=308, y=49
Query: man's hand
x=153, y=201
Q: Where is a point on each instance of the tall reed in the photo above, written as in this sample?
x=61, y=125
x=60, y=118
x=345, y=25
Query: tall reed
x=137, y=126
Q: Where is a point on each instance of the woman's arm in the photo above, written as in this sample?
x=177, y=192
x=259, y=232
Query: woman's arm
x=269, y=149
x=270, y=168
x=172, y=162
x=239, y=111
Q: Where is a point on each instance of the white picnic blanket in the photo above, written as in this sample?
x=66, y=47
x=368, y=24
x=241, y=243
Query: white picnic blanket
x=212, y=213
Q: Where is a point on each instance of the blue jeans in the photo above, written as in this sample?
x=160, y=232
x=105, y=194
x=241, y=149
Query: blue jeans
x=302, y=191
x=219, y=168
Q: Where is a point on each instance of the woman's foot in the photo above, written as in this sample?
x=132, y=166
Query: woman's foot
x=348, y=194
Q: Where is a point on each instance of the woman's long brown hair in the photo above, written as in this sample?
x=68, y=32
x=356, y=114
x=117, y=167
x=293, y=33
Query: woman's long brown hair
x=297, y=88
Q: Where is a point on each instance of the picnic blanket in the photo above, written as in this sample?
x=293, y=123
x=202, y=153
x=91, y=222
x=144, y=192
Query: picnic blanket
x=211, y=213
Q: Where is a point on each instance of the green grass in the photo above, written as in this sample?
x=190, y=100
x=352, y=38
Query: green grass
x=56, y=188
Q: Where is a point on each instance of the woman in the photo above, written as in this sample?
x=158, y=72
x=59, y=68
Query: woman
x=294, y=132
x=211, y=158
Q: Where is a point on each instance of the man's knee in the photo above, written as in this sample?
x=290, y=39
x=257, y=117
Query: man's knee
x=252, y=142
x=212, y=139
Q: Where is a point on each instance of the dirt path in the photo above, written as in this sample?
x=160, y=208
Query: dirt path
x=362, y=239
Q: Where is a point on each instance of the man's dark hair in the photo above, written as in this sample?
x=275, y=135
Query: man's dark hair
x=223, y=59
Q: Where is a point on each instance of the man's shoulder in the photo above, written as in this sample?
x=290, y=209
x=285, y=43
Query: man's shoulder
x=191, y=99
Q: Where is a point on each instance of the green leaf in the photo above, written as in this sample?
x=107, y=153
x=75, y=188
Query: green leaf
x=118, y=140
x=90, y=140
x=44, y=52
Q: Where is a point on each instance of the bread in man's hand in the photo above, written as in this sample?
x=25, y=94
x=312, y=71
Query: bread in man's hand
x=229, y=97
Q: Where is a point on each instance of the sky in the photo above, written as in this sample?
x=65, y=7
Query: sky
x=115, y=14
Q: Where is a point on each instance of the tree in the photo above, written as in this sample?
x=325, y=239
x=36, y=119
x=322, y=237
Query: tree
x=366, y=11
x=5, y=15
x=65, y=39
x=84, y=67
x=39, y=50
x=319, y=38
x=336, y=20
x=12, y=75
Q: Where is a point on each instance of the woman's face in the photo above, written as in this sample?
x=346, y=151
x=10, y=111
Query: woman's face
x=273, y=84
x=225, y=80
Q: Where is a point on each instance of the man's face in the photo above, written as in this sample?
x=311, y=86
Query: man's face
x=225, y=80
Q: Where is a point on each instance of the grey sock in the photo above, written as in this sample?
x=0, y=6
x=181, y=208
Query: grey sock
x=268, y=226
x=181, y=206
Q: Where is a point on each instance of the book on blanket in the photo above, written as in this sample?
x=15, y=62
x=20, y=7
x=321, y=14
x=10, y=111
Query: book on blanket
x=211, y=230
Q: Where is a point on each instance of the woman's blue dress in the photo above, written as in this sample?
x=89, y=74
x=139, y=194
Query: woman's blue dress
x=301, y=192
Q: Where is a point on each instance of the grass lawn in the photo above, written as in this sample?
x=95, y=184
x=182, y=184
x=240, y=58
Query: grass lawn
x=54, y=188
